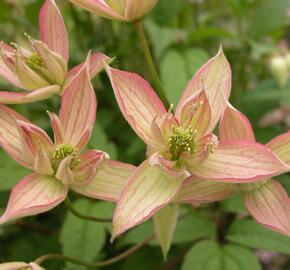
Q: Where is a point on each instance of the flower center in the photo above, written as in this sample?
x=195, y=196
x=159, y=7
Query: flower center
x=61, y=152
x=182, y=141
x=34, y=61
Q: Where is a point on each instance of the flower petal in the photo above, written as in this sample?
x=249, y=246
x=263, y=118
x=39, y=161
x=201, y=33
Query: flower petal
x=13, y=266
x=10, y=139
x=270, y=206
x=238, y=161
x=52, y=29
x=281, y=147
x=78, y=106
x=235, y=125
x=165, y=221
x=57, y=128
x=34, y=194
x=136, y=9
x=138, y=102
x=216, y=76
x=108, y=183
x=194, y=190
x=148, y=190
x=22, y=98
x=98, y=7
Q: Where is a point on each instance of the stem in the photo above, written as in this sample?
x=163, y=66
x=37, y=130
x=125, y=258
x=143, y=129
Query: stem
x=113, y=260
x=150, y=64
x=75, y=212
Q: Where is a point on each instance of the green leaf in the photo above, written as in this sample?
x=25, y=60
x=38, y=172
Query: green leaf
x=248, y=233
x=208, y=255
x=10, y=172
x=81, y=238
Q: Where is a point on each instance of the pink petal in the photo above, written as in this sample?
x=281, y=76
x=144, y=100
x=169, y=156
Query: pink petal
x=97, y=61
x=57, y=128
x=52, y=29
x=165, y=221
x=98, y=7
x=136, y=9
x=13, y=266
x=24, y=97
x=216, y=76
x=238, y=161
x=138, y=102
x=148, y=190
x=281, y=147
x=270, y=206
x=10, y=139
x=108, y=183
x=78, y=106
x=235, y=125
x=34, y=194
x=194, y=190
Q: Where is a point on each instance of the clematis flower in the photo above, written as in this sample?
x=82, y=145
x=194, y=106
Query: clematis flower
x=181, y=144
x=20, y=266
x=266, y=200
x=122, y=10
x=42, y=71
x=64, y=164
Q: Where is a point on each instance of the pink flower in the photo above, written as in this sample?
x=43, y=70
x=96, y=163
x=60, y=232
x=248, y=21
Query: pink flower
x=20, y=266
x=123, y=10
x=42, y=71
x=64, y=164
x=183, y=143
x=266, y=200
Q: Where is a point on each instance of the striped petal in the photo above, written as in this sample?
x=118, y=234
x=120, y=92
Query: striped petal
x=194, y=190
x=165, y=221
x=52, y=29
x=216, y=76
x=136, y=9
x=22, y=98
x=270, y=206
x=34, y=194
x=238, y=161
x=78, y=107
x=10, y=139
x=138, y=102
x=281, y=147
x=148, y=190
x=235, y=125
x=108, y=183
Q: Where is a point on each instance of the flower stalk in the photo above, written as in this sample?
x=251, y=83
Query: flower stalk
x=150, y=63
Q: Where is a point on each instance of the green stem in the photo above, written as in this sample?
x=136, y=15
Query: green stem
x=75, y=212
x=150, y=63
x=113, y=260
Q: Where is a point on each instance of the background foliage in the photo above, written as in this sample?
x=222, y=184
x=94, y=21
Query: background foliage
x=183, y=35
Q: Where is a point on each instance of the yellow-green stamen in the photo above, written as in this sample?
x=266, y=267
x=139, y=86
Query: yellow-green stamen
x=34, y=61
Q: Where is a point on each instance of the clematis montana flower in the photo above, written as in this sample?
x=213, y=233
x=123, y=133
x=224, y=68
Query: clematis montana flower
x=266, y=200
x=183, y=143
x=122, y=10
x=42, y=71
x=64, y=164
x=20, y=266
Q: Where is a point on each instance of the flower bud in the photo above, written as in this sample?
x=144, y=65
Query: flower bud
x=279, y=69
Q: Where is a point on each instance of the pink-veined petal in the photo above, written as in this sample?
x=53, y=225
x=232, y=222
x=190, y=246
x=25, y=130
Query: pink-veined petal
x=10, y=139
x=136, y=9
x=24, y=97
x=148, y=190
x=137, y=101
x=78, y=106
x=34, y=194
x=52, y=29
x=194, y=190
x=98, y=7
x=270, y=206
x=281, y=147
x=97, y=61
x=57, y=128
x=238, y=161
x=165, y=221
x=108, y=183
x=235, y=125
x=216, y=76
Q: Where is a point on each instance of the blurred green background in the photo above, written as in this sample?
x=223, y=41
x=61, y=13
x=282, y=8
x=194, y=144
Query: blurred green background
x=183, y=35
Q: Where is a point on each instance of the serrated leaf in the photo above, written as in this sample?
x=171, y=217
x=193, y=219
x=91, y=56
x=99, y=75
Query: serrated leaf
x=209, y=255
x=248, y=233
x=81, y=238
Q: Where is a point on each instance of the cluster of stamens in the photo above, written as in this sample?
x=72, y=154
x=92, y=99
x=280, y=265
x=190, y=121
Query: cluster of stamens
x=182, y=141
x=61, y=152
x=34, y=61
